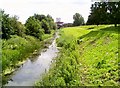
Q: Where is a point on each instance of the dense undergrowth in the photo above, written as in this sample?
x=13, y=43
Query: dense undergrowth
x=88, y=57
x=15, y=51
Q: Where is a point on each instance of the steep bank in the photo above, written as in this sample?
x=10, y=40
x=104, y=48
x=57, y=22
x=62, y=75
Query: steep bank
x=89, y=57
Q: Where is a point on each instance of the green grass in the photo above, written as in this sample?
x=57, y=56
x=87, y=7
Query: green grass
x=88, y=57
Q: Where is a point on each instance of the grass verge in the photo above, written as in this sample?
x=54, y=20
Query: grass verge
x=88, y=57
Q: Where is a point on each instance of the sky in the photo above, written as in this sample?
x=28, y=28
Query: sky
x=64, y=9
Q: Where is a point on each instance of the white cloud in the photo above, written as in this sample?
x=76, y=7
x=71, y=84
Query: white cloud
x=65, y=9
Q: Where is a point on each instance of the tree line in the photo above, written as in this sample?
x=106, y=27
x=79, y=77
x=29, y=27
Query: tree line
x=35, y=25
x=104, y=13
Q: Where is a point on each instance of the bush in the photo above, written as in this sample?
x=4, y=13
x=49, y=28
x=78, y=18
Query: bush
x=45, y=26
x=11, y=26
x=16, y=49
x=34, y=28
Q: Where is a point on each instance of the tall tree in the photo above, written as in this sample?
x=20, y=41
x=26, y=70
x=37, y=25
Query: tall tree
x=7, y=29
x=51, y=22
x=11, y=26
x=34, y=27
x=114, y=12
x=104, y=13
x=45, y=26
x=78, y=19
x=18, y=27
x=46, y=20
x=40, y=17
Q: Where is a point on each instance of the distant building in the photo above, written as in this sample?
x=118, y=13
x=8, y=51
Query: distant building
x=58, y=19
x=59, y=23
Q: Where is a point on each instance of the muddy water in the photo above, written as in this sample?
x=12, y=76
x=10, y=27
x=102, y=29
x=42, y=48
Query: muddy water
x=32, y=70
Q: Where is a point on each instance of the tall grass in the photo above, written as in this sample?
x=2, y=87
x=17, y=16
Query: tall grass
x=16, y=50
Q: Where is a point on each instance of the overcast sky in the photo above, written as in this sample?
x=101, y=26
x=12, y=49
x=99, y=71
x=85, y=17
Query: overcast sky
x=64, y=9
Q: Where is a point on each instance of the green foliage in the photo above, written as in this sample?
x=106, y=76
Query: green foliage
x=40, y=17
x=45, y=26
x=34, y=28
x=16, y=45
x=11, y=26
x=16, y=49
x=104, y=13
x=51, y=22
x=6, y=27
x=46, y=36
x=18, y=27
x=78, y=19
x=35, y=25
x=91, y=62
x=47, y=22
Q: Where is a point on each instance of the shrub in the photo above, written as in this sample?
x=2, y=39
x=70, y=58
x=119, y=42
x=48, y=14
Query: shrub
x=34, y=28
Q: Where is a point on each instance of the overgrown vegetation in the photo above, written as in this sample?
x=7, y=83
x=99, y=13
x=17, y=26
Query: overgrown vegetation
x=11, y=26
x=88, y=57
x=36, y=26
x=16, y=49
x=19, y=41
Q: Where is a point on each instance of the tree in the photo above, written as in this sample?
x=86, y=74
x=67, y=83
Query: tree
x=45, y=26
x=40, y=17
x=11, y=26
x=18, y=27
x=97, y=14
x=104, y=13
x=43, y=19
x=51, y=22
x=34, y=27
x=78, y=19
x=114, y=12
x=6, y=26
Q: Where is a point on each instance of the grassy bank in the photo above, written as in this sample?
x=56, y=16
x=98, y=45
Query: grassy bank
x=88, y=57
x=17, y=49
